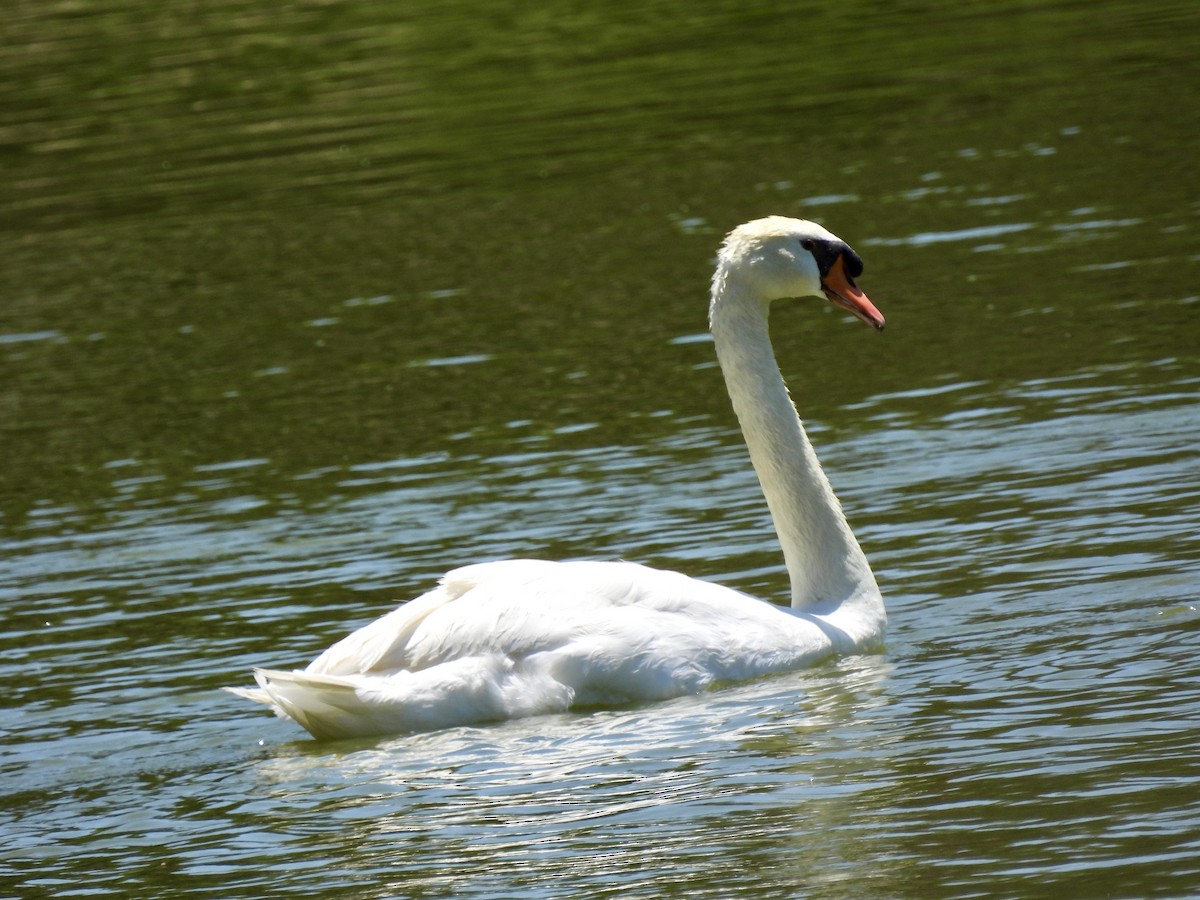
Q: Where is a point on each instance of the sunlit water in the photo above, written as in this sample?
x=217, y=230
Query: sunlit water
x=300, y=311
x=1034, y=732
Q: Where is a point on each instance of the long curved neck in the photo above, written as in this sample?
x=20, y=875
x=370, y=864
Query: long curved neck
x=828, y=569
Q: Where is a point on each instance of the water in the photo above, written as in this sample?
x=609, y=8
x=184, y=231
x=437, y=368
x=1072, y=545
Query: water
x=301, y=309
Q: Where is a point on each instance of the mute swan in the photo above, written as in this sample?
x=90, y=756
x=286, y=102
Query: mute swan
x=521, y=637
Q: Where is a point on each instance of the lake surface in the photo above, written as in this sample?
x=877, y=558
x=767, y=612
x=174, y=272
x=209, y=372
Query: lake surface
x=301, y=307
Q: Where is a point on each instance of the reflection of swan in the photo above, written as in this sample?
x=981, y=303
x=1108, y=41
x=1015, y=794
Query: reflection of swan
x=505, y=639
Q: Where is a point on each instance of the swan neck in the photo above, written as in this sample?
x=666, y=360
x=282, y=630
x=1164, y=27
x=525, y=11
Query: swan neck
x=824, y=561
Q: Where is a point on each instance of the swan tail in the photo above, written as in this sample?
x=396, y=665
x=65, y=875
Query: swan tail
x=254, y=695
x=327, y=706
x=476, y=689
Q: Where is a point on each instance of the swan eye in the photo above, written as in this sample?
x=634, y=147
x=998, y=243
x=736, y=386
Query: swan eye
x=808, y=244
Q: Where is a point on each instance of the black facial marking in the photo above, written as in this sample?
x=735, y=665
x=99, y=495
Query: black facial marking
x=854, y=263
x=827, y=252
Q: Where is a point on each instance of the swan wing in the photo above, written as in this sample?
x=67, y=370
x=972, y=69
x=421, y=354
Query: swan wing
x=487, y=607
x=582, y=620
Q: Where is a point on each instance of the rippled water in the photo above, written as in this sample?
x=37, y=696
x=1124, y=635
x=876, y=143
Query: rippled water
x=300, y=310
x=1032, y=719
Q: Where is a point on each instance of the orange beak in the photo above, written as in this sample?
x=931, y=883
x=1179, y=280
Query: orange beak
x=841, y=289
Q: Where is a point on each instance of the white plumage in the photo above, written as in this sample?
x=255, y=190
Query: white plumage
x=522, y=637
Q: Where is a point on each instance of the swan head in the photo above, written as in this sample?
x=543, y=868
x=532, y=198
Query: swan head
x=778, y=257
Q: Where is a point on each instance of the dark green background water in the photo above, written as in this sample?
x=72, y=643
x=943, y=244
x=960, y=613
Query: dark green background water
x=301, y=306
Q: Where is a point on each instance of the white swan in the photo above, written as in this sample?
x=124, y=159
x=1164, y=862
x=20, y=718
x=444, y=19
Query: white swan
x=516, y=638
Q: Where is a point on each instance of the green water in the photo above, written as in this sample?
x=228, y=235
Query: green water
x=302, y=306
